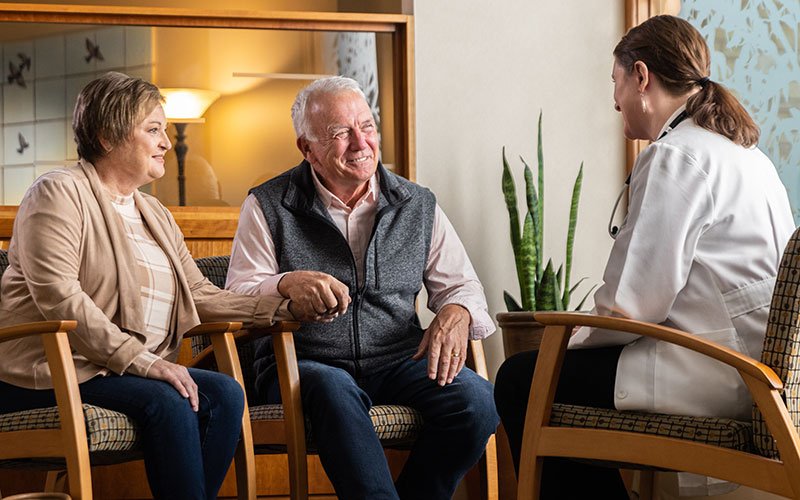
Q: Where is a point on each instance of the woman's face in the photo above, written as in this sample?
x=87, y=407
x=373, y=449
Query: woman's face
x=140, y=158
x=628, y=101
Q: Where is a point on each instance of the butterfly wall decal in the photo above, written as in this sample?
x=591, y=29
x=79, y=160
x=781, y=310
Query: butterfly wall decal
x=93, y=51
x=23, y=143
x=25, y=61
x=15, y=75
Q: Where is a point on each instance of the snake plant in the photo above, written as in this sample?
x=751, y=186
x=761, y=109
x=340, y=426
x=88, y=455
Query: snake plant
x=541, y=288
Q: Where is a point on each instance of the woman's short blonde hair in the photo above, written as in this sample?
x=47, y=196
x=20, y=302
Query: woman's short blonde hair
x=109, y=108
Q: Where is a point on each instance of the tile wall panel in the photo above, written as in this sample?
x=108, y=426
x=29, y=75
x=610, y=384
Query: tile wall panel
x=40, y=105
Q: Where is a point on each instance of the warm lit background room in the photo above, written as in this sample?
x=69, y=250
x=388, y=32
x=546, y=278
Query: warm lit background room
x=455, y=87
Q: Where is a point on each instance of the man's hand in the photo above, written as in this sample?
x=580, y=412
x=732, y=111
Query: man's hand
x=177, y=376
x=445, y=341
x=314, y=296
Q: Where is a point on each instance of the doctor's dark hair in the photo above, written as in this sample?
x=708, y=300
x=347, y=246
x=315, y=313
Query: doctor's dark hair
x=110, y=107
x=677, y=53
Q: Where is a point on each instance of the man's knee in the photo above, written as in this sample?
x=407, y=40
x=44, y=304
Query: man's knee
x=481, y=408
x=469, y=405
x=323, y=384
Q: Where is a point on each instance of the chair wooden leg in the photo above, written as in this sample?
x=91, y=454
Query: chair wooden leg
x=489, y=469
x=647, y=485
x=481, y=481
x=245, y=463
x=56, y=481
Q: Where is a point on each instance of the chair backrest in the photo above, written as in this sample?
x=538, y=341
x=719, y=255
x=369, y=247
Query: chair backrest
x=216, y=270
x=3, y=261
x=782, y=343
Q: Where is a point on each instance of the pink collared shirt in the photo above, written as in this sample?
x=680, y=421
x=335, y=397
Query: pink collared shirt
x=449, y=276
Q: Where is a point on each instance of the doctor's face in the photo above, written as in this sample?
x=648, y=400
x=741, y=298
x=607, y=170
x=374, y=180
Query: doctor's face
x=629, y=102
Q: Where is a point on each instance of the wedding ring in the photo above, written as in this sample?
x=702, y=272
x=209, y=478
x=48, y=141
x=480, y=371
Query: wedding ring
x=456, y=354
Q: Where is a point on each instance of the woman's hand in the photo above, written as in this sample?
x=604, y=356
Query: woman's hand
x=177, y=376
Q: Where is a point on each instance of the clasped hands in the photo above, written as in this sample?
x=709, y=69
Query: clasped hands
x=314, y=296
x=319, y=297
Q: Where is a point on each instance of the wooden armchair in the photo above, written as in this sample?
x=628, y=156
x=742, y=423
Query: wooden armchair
x=71, y=437
x=763, y=453
x=282, y=428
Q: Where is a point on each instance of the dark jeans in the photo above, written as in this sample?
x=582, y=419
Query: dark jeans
x=587, y=379
x=459, y=418
x=186, y=454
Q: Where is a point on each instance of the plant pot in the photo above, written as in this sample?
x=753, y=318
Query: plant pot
x=520, y=332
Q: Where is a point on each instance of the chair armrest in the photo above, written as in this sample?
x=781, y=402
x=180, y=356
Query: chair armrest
x=218, y=327
x=36, y=328
x=742, y=363
x=212, y=330
x=476, y=359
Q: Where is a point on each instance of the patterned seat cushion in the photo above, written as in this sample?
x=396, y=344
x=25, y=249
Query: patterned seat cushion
x=393, y=424
x=723, y=432
x=111, y=435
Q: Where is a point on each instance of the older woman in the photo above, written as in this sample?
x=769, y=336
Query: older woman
x=699, y=250
x=87, y=245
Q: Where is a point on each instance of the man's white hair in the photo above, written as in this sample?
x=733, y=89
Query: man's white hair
x=330, y=85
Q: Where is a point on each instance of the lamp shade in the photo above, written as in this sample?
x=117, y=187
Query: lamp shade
x=187, y=105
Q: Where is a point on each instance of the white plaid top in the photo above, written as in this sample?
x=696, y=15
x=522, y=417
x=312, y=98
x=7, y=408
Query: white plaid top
x=156, y=278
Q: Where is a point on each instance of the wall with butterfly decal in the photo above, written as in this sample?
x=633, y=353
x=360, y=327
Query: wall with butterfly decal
x=41, y=79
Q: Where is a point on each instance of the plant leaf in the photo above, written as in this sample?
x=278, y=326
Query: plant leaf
x=540, y=191
x=580, y=304
x=557, y=289
x=573, y=220
x=533, y=209
x=528, y=265
x=576, y=284
x=510, y=195
x=545, y=292
x=511, y=303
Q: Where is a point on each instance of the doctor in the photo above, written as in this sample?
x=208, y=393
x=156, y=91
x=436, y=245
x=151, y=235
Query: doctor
x=699, y=249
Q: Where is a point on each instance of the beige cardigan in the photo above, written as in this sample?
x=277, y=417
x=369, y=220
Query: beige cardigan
x=69, y=259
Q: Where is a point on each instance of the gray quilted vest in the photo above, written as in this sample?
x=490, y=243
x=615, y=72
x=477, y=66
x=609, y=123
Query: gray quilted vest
x=381, y=327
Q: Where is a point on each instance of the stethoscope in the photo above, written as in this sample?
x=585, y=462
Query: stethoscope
x=613, y=230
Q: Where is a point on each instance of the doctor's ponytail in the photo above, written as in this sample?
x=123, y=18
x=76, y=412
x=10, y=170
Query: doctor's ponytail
x=677, y=53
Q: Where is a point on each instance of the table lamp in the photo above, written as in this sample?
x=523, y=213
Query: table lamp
x=184, y=106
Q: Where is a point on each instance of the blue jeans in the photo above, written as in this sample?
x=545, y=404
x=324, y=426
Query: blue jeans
x=186, y=454
x=458, y=420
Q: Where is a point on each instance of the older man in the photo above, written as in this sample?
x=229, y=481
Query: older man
x=348, y=245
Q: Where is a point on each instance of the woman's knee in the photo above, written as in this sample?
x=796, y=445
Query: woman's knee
x=220, y=391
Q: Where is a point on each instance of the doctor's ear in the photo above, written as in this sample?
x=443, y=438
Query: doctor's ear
x=642, y=75
x=105, y=144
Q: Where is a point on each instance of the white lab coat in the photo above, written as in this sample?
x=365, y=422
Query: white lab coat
x=699, y=250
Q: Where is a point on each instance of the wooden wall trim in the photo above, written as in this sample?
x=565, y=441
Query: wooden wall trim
x=207, y=230
x=163, y=16
x=400, y=26
x=637, y=11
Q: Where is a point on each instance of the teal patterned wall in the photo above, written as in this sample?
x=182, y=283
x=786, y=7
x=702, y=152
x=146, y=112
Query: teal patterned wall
x=755, y=52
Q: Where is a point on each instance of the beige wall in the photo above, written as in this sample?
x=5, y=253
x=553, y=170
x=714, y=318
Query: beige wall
x=483, y=70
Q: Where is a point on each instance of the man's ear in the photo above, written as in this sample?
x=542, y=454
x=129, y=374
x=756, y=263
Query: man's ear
x=305, y=149
x=642, y=75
